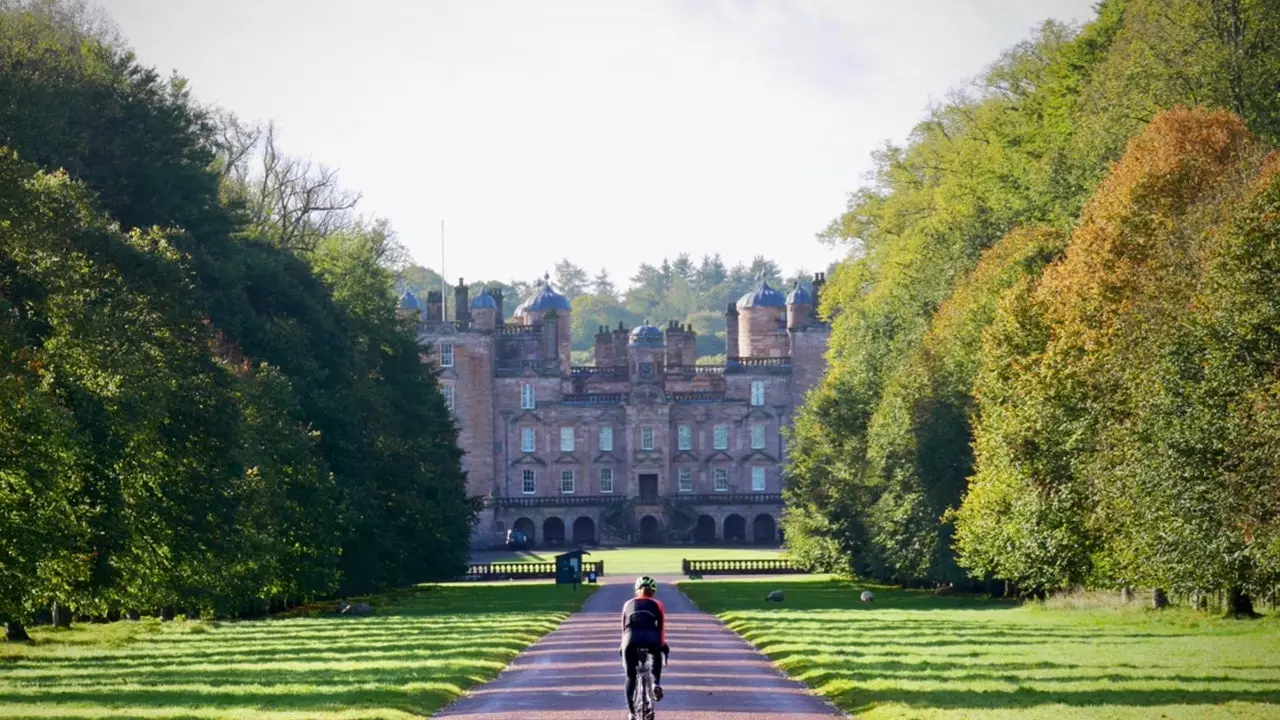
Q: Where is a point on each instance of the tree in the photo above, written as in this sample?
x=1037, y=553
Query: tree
x=570, y=279
x=602, y=285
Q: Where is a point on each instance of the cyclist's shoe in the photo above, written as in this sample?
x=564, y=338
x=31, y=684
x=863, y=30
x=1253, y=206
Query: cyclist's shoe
x=657, y=692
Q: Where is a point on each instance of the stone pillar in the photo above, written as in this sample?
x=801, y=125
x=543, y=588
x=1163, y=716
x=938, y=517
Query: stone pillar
x=731, y=334
x=550, y=339
x=461, y=305
x=435, y=308
x=819, y=279
x=620, y=345
x=496, y=294
x=604, y=347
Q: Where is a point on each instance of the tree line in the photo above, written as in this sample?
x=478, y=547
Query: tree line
x=1056, y=343
x=207, y=403
x=691, y=292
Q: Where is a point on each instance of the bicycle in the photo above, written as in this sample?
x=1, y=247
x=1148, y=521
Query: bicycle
x=644, y=700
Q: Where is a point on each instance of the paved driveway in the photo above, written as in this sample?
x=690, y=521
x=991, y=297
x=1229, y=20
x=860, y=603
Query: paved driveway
x=575, y=673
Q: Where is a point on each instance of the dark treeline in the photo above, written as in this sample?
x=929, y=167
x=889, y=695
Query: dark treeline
x=1056, y=343
x=206, y=400
x=694, y=292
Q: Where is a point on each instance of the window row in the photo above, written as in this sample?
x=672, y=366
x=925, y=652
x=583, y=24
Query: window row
x=684, y=436
x=529, y=402
x=568, y=480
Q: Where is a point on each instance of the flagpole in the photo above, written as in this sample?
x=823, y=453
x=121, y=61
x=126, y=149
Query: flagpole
x=444, y=295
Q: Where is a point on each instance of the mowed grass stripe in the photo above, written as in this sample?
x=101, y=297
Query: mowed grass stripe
x=913, y=655
x=418, y=653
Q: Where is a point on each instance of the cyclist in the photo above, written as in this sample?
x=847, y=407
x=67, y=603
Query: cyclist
x=644, y=625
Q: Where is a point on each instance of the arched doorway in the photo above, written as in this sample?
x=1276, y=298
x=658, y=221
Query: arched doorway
x=704, y=533
x=526, y=527
x=735, y=529
x=764, y=531
x=649, y=530
x=584, y=531
x=553, y=532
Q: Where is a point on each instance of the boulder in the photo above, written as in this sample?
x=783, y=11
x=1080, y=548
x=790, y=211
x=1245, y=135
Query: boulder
x=867, y=596
x=775, y=596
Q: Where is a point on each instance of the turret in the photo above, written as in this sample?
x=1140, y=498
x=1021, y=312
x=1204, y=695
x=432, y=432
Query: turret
x=762, y=323
x=462, y=308
x=799, y=308
x=646, y=354
x=484, y=312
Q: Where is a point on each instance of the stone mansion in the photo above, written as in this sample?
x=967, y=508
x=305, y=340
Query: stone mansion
x=643, y=446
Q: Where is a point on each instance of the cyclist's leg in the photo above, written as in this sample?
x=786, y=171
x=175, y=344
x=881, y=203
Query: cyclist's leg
x=630, y=659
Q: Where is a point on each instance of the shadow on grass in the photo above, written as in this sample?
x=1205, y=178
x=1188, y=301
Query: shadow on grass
x=418, y=653
x=1023, y=698
x=723, y=597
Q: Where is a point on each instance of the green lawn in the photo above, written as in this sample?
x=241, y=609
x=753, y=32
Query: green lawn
x=417, y=653
x=639, y=560
x=913, y=655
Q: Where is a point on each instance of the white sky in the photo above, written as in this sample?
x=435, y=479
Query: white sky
x=608, y=132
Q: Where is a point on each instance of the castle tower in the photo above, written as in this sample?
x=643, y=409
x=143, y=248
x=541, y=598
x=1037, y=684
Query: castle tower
x=646, y=354
x=546, y=303
x=762, y=323
x=484, y=312
x=799, y=307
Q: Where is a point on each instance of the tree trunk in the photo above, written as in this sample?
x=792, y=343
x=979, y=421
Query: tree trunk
x=1126, y=594
x=1159, y=599
x=14, y=632
x=61, y=616
x=166, y=613
x=132, y=615
x=1239, y=604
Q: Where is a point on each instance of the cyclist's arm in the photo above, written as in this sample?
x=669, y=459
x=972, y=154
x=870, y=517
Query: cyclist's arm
x=662, y=620
x=626, y=613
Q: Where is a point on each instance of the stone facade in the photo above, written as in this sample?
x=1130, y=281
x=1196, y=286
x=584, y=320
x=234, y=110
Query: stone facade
x=644, y=446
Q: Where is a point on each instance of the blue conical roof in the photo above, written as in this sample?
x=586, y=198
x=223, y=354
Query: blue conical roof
x=646, y=335
x=762, y=296
x=484, y=301
x=800, y=295
x=544, y=299
x=409, y=301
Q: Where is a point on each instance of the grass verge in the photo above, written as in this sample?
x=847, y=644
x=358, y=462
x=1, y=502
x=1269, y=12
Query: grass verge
x=913, y=655
x=416, y=654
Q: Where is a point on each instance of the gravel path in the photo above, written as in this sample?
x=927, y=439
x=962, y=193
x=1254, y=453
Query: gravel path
x=575, y=673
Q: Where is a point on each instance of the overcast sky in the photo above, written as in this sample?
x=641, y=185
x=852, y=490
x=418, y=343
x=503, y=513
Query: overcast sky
x=610, y=132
